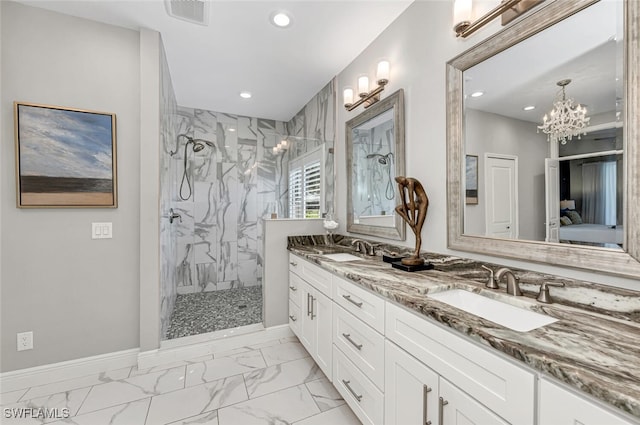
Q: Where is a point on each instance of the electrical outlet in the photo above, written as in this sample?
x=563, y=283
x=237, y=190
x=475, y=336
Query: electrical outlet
x=25, y=341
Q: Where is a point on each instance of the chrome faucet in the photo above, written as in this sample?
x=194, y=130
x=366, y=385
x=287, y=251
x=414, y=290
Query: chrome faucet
x=513, y=287
x=365, y=247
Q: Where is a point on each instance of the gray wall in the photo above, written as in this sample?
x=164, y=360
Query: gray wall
x=490, y=133
x=79, y=296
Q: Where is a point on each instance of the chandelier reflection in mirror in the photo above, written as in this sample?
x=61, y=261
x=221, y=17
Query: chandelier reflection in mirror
x=567, y=119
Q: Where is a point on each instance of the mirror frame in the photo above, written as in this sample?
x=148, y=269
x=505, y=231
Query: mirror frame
x=621, y=263
x=395, y=101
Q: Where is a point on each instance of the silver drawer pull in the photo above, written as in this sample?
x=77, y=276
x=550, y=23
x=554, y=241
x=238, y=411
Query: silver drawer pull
x=313, y=309
x=348, y=338
x=293, y=288
x=441, y=403
x=292, y=318
x=425, y=413
x=348, y=298
x=346, y=384
x=293, y=264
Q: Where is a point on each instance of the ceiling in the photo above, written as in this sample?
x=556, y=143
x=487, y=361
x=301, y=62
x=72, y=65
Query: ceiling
x=241, y=50
x=586, y=48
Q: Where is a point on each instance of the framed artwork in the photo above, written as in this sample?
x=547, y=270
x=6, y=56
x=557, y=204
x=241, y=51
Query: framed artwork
x=471, y=186
x=65, y=158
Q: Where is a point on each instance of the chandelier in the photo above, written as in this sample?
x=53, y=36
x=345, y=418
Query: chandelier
x=567, y=119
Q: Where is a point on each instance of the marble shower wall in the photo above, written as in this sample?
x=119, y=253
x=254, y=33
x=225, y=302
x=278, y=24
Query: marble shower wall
x=314, y=125
x=168, y=127
x=374, y=183
x=233, y=186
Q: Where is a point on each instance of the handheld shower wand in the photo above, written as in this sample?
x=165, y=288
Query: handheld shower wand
x=198, y=145
x=385, y=160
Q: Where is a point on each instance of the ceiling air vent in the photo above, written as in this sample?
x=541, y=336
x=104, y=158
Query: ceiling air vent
x=195, y=11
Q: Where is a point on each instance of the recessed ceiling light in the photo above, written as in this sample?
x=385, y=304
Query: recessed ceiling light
x=281, y=19
x=477, y=94
x=245, y=95
x=529, y=108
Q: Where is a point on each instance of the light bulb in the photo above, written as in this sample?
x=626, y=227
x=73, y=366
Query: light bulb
x=363, y=85
x=347, y=96
x=383, y=71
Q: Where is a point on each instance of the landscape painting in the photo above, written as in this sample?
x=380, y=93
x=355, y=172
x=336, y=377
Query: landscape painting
x=64, y=157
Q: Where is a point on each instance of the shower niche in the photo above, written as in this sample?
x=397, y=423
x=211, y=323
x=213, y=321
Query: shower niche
x=375, y=152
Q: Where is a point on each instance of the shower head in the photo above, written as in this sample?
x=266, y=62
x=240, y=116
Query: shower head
x=198, y=144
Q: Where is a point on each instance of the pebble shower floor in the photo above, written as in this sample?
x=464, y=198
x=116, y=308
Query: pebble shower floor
x=205, y=312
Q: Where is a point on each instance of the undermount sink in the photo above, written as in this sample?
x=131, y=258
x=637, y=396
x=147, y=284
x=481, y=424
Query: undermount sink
x=507, y=315
x=341, y=257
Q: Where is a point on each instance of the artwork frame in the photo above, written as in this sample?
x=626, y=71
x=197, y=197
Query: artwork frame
x=471, y=174
x=65, y=157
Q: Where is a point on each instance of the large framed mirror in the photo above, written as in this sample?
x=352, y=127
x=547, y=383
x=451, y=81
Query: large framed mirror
x=375, y=156
x=539, y=195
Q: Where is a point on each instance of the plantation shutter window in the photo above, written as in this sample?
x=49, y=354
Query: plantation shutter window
x=306, y=185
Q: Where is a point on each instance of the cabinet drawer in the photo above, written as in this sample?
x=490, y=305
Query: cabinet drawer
x=295, y=289
x=503, y=387
x=364, y=305
x=562, y=407
x=360, y=343
x=366, y=401
x=294, y=318
x=318, y=278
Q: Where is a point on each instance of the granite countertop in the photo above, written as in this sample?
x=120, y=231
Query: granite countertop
x=594, y=346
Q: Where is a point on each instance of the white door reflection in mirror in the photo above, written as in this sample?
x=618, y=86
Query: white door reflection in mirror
x=502, y=196
x=552, y=199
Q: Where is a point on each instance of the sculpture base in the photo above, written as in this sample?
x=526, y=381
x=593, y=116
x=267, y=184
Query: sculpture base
x=391, y=259
x=398, y=265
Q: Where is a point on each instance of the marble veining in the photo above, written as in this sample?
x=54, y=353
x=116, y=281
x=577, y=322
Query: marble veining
x=593, y=346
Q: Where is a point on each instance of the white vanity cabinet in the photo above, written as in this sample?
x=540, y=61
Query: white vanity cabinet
x=308, y=285
x=559, y=406
x=394, y=367
x=415, y=394
x=358, y=353
x=411, y=389
x=498, y=385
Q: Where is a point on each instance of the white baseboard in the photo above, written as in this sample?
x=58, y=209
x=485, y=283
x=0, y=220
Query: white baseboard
x=46, y=374
x=176, y=351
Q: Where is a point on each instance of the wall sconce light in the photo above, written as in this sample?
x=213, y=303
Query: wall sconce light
x=367, y=97
x=509, y=9
x=281, y=147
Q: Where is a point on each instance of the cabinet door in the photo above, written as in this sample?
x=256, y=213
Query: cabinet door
x=321, y=314
x=457, y=408
x=411, y=389
x=294, y=318
x=561, y=407
x=307, y=324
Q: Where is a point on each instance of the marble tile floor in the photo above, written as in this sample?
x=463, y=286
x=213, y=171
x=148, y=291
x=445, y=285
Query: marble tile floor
x=275, y=382
x=204, y=312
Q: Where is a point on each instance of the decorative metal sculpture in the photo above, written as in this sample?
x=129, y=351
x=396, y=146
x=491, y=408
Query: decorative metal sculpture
x=413, y=210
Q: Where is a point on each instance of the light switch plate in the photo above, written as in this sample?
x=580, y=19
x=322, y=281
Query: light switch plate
x=101, y=230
